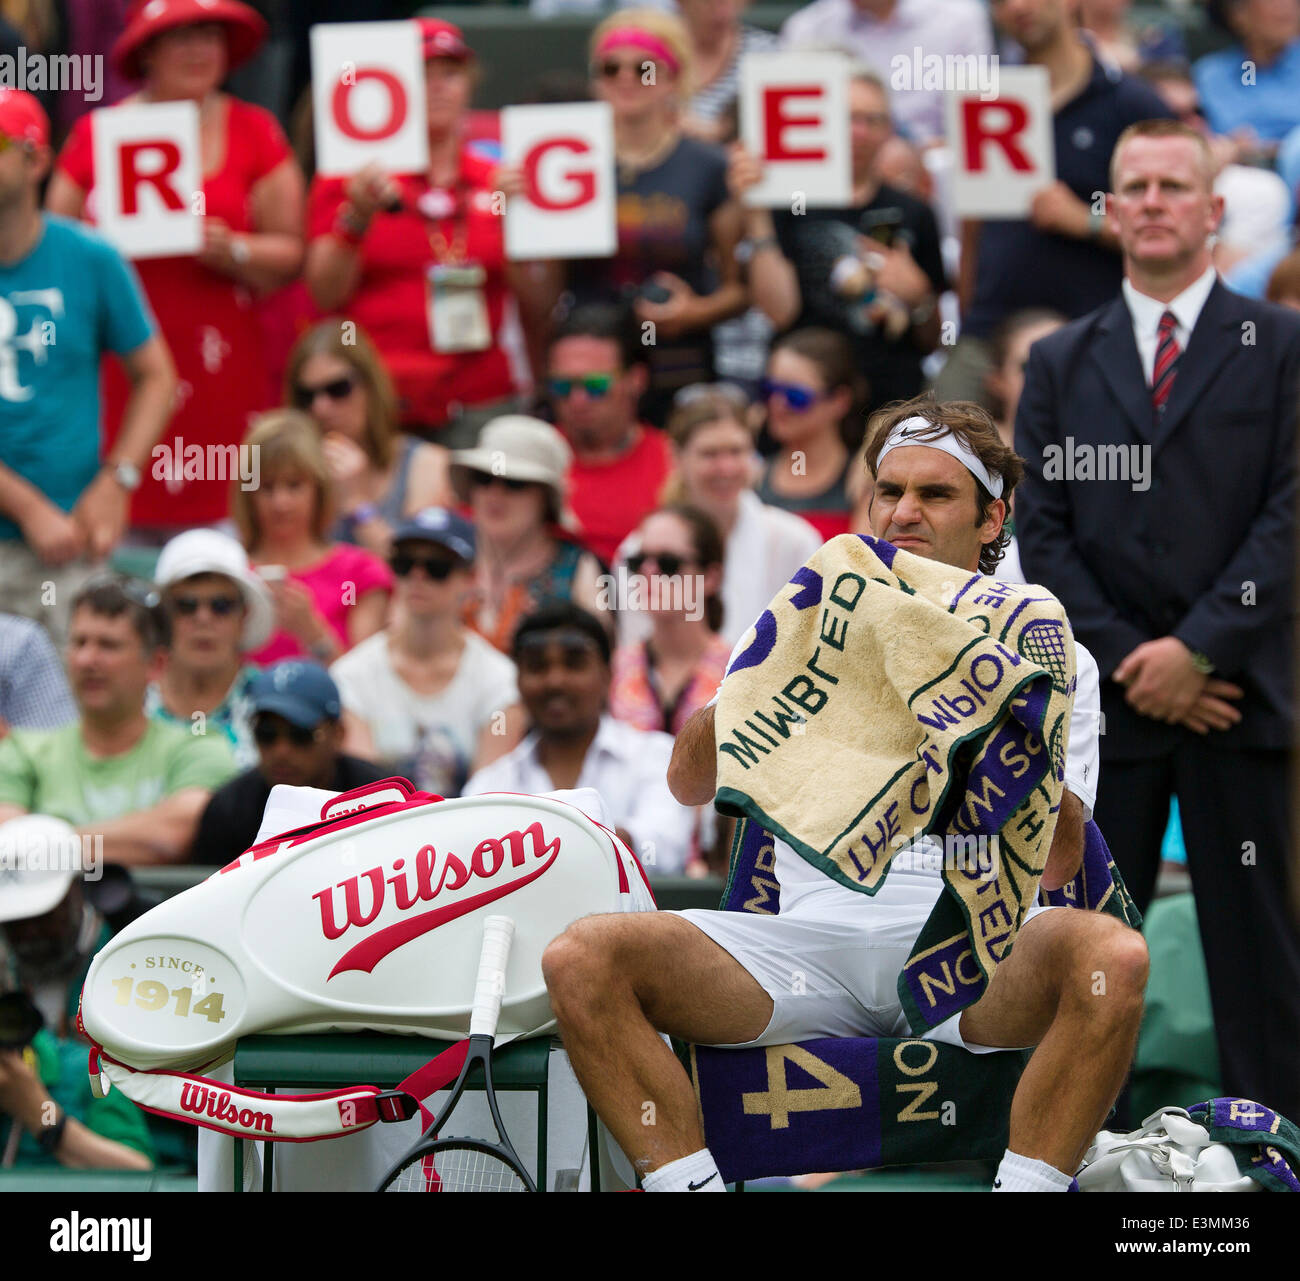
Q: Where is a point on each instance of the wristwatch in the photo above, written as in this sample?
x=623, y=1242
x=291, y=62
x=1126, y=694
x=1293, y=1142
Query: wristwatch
x=127, y=474
x=746, y=249
x=51, y=1136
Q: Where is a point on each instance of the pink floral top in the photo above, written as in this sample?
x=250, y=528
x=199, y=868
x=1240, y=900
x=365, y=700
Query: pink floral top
x=337, y=582
x=634, y=695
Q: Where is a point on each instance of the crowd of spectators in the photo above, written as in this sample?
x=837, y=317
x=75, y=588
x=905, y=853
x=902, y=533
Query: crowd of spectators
x=514, y=553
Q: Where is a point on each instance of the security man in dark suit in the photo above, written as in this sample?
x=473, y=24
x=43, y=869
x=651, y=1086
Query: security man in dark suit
x=1158, y=503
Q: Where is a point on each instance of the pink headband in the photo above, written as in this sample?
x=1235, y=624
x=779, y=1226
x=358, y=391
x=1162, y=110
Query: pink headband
x=642, y=39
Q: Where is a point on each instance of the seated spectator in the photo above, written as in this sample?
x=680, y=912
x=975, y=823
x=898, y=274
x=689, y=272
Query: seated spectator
x=1010, y=351
x=217, y=610
x=427, y=697
x=562, y=653
x=595, y=377
x=298, y=728
x=34, y=691
x=713, y=445
x=48, y=1115
x=1284, y=283
x=719, y=40
x=878, y=31
x=380, y=477
x=63, y=498
x=137, y=783
x=676, y=570
x=874, y=269
x=678, y=227
x=810, y=391
x=1122, y=43
x=515, y=485
x=1261, y=108
x=409, y=256
x=328, y=596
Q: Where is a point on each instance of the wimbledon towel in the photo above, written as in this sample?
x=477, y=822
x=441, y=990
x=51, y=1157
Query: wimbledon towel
x=882, y=696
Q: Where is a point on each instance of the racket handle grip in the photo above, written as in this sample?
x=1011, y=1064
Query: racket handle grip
x=498, y=934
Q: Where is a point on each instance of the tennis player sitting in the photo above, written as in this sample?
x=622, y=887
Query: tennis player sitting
x=943, y=485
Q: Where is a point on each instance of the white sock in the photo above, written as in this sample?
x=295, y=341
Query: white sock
x=1024, y=1174
x=695, y=1173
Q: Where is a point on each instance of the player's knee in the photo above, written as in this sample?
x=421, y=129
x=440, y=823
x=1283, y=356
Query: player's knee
x=1127, y=962
x=1113, y=966
x=575, y=963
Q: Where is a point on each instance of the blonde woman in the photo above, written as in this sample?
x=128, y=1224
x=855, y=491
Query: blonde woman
x=381, y=477
x=328, y=595
x=678, y=227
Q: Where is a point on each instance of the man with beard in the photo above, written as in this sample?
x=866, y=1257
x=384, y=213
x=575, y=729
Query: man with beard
x=298, y=729
x=562, y=653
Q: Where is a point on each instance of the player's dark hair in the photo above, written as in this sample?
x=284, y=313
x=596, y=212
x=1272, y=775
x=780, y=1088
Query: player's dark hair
x=559, y=616
x=112, y=596
x=971, y=424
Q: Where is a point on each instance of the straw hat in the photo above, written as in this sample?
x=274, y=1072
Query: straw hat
x=517, y=447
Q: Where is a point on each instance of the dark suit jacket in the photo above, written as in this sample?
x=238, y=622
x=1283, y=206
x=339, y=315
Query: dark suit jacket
x=1180, y=557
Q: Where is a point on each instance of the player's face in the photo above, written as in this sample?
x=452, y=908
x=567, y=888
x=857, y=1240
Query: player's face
x=924, y=502
x=108, y=667
x=563, y=682
x=1163, y=204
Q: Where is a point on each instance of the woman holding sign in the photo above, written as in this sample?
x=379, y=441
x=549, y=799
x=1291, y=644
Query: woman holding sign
x=418, y=260
x=677, y=226
x=252, y=209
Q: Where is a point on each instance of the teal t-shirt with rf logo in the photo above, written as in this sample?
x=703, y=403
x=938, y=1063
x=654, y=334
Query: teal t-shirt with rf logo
x=63, y=306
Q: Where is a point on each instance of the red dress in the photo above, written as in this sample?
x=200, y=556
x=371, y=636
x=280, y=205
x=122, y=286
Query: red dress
x=434, y=225
x=211, y=325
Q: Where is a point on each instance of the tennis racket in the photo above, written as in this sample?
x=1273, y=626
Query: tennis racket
x=470, y=1165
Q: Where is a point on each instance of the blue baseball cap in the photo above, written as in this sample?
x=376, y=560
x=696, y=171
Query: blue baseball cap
x=303, y=693
x=438, y=525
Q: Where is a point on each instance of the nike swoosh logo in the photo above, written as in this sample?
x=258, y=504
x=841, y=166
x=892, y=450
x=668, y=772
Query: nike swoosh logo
x=695, y=1187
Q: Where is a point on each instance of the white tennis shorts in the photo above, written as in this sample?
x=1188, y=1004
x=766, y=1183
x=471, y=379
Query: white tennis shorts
x=831, y=960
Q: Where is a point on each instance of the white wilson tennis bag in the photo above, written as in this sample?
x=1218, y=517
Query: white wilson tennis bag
x=1169, y=1153
x=370, y=919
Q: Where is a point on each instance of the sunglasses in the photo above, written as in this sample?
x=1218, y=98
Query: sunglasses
x=595, y=385
x=439, y=568
x=337, y=389
x=482, y=479
x=732, y=392
x=609, y=68
x=796, y=397
x=265, y=733
x=221, y=606
x=668, y=562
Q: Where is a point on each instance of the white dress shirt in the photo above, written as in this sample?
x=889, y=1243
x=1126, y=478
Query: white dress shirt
x=629, y=768
x=1146, y=313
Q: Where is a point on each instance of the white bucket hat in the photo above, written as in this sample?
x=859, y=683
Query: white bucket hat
x=205, y=551
x=518, y=447
x=40, y=857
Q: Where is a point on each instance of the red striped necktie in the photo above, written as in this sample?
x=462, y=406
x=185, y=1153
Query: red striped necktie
x=1166, y=366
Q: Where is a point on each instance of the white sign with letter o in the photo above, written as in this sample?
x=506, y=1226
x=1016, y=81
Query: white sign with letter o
x=565, y=152
x=1003, y=148
x=147, y=174
x=367, y=88
x=794, y=118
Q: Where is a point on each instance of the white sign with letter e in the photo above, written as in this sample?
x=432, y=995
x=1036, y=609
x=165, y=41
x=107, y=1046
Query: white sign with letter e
x=367, y=97
x=1003, y=148
x=565, y=152
x=147, y=173
x=794, y=118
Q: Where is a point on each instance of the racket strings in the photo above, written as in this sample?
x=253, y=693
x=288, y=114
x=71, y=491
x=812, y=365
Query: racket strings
x=457, y=1169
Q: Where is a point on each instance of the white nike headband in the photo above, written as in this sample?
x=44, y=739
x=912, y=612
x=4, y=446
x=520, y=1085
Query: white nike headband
x=907, y=433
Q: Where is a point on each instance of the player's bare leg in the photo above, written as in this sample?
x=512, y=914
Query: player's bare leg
x=1073, y=985
x=617, y=981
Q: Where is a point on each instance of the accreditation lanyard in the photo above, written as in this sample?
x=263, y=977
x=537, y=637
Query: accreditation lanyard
x=456, y=300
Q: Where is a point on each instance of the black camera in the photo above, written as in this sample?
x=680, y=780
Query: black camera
x=20, y=1020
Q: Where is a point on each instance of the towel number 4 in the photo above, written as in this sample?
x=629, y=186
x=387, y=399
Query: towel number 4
x=779, y=1100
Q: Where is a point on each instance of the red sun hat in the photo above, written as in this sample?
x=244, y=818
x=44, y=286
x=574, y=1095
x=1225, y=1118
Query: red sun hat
x=22, y=118
x=245, y=29
x=443, y=40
